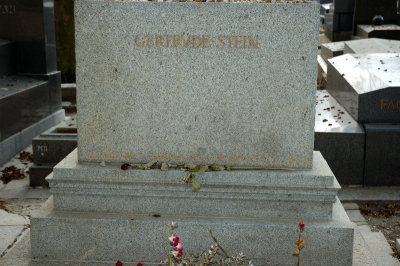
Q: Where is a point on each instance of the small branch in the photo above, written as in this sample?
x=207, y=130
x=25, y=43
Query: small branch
x=216, y=242
x=169, y=249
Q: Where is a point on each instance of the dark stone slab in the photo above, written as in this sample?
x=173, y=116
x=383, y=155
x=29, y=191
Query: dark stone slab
x=339, y=22
x=365, y=10
x=65, y=37
x=340, y=139
x=8, y=64
x=49, y=148
x=344, y=6
x=22, y=139
x=382, y=157
x=38, y=174
x=54, y=145
x=367, y=86
x=26, y=100
x=389, y=31
x=30, y=23
x=336, y=36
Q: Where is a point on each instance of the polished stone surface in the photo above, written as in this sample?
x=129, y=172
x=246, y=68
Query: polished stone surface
x=389, y=31
x=30, y=23
x=340, y=139
x=234, y=106
x=343, y=6
x=371, y=46
x=339, y=22
x=17, y=142
x=365, y=10
x=8, y=58
x=382, y=167
x=54, y=144
x=366, y=85
x=26, y=100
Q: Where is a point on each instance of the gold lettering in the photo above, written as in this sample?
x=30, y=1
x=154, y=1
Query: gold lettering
x=205, y=41
x=391, y=104
x=221, y=41
x=229, y=39
x=237, y=42
x=159, y=41
x=382, y=103
x=193, y=41
x=148, y=40
x=167, y=37
x=86, y=156
x=251, y=41
x=135, y=40
x=185, y=43
x=177, y=39
x=244, y=41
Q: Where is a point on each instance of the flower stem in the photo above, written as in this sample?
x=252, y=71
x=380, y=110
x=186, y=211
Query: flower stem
x=216, y=241
x=169, y=249
x=298, y=256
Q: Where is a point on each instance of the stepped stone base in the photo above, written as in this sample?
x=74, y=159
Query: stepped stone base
x=104, y=214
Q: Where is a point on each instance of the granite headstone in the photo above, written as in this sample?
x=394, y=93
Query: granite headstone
x=172, y=80
x=221, y=92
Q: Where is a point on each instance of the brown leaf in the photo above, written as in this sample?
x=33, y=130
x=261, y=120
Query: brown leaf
x=300, y=244
x=296, y=251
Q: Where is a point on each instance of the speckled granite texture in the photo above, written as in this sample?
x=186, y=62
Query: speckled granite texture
x=100, y=237
x=257, y=194
x=232, y=84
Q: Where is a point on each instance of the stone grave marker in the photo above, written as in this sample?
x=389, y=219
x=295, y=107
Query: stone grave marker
x=30, y=92
x=196, y=91
x=367, y=85
x=178, y=81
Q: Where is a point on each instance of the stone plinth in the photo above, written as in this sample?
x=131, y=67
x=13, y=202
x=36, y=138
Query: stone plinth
x=100, y=213
x=236, y=87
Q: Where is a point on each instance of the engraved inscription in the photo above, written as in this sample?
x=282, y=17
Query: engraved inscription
x=196, y=41
x=8, y=9
x=390, y=104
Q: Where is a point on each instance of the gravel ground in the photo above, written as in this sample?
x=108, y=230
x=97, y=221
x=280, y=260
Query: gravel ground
x=383, y=216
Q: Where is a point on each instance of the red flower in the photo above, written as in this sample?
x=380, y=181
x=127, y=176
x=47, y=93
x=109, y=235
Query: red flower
x=139, y=264
x=119, y=263
x=175, y=241
x=125, y=166
x=301, y=224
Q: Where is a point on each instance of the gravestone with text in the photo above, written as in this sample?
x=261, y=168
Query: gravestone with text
x=30, y=85
x=231, y=85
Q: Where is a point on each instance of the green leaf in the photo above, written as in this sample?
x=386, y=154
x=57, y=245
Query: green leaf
x=203, y=168
x=195, y=185
x=164, y=167
x=216, y=167
x=137, y=166
x=188, y=178
x=150, y=164
x=189, y=166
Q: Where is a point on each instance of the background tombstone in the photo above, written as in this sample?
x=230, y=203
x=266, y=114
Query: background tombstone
x=30, y=95
x=365, y=10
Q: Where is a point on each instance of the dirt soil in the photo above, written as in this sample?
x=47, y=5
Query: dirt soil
x=383, y=216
